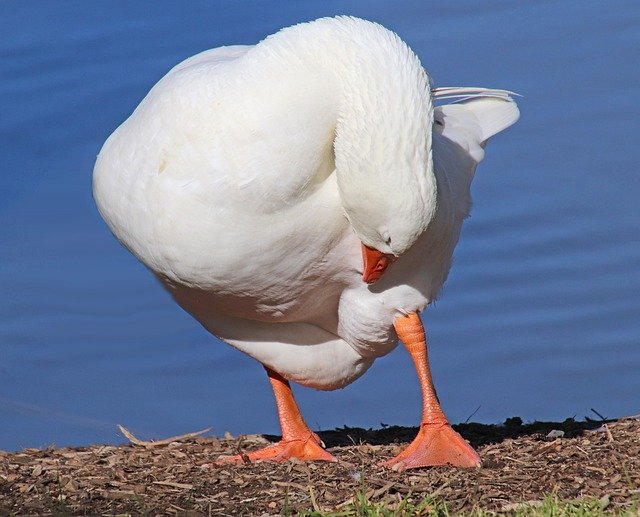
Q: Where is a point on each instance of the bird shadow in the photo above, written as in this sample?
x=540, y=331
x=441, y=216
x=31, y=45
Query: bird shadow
x=476, y=433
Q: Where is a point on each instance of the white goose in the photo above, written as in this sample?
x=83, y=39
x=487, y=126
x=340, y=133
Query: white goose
x=268, y=187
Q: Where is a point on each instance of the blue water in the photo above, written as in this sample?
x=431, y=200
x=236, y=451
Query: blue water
x=540, y=316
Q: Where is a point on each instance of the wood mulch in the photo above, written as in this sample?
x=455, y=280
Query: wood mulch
x=521, y=463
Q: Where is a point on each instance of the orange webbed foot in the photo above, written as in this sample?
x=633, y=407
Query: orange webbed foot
x=309, y=449
x=435, y=444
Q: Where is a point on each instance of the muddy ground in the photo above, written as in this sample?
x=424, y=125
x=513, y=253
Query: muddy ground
x=520, y=463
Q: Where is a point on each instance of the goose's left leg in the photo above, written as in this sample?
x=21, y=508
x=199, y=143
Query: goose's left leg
x=298, y=441
x=437, y=443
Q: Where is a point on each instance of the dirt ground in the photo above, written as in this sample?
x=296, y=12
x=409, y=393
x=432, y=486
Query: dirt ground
x=521, y=462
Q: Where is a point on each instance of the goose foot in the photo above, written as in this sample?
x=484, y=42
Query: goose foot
x=435, y=444
x=309, y=449
x=298, y=441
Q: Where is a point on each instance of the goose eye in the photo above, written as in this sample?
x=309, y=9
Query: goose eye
x=384, y=235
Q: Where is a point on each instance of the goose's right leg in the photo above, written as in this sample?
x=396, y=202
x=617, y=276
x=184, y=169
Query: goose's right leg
x=298, y=441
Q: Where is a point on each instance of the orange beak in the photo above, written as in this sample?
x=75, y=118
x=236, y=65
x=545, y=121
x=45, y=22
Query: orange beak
x=375, y=263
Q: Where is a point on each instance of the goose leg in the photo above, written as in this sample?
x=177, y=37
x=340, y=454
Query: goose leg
x=298, y=441
x=437, y=443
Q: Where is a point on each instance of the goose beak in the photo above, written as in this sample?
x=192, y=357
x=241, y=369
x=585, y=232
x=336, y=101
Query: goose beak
x=375, y=263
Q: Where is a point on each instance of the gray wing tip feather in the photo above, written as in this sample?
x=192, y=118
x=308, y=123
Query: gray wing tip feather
x=461, y=93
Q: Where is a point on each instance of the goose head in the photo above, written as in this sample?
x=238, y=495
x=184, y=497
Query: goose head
x=389, y=216
x=385, y=175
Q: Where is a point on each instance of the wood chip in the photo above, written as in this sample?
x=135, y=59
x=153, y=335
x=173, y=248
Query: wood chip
x=184, y=486
x=155, y=443
x=182, y=477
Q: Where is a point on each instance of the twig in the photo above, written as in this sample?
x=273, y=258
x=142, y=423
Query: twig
x=583, y=451
x=477, y=409
x=374, y=494
x=445, y=484
x=608, y=431
x=155, y=443
x=312, y=496
x=516, y=460
x=601, y=417
x=399, y=487
x=291, y=484
x=349, y=501
x=173, y=484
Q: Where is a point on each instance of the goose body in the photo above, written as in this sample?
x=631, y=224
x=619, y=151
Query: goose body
x=250, y=177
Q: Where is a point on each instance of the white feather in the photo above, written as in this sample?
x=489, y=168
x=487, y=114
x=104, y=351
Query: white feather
x=248, y=177
x=475, y=117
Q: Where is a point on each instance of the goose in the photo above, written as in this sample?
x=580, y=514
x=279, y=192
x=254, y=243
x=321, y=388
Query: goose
x=301, y=198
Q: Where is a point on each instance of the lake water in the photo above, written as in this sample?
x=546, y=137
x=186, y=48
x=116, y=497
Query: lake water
x=540, y=316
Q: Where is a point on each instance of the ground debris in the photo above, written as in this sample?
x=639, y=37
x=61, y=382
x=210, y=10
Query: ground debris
x=522, y=463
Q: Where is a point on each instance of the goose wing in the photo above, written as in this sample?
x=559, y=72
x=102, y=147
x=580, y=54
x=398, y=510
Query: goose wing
x=461, y=130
